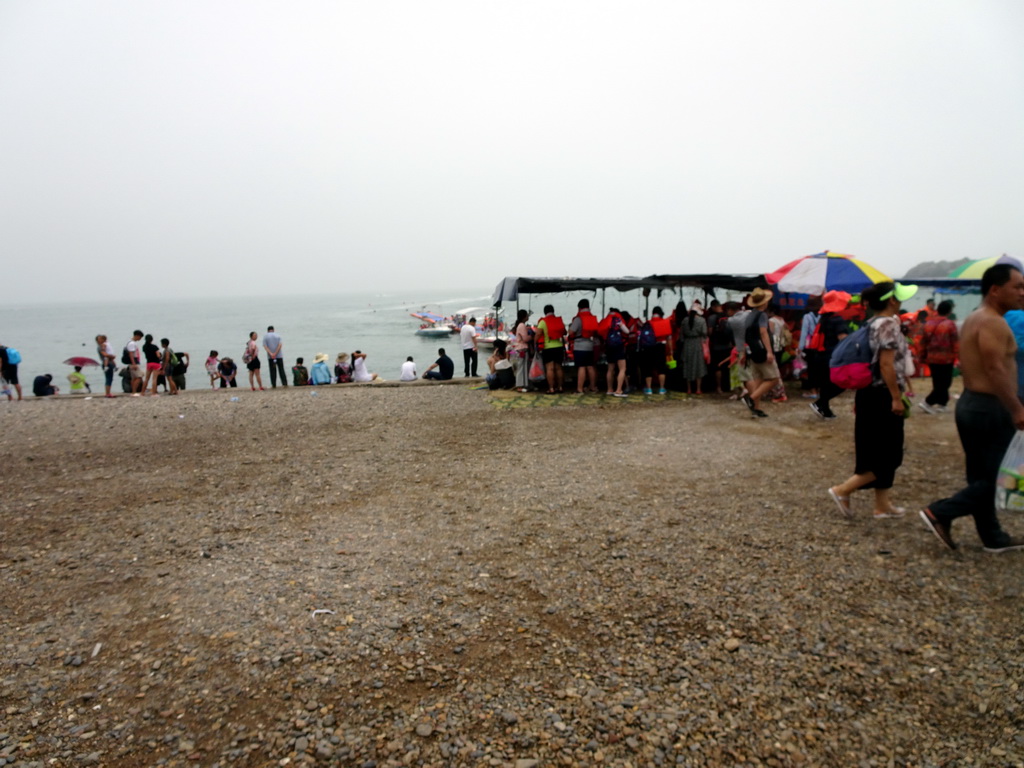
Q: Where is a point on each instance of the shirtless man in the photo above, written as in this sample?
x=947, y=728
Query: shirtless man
x=987, y=414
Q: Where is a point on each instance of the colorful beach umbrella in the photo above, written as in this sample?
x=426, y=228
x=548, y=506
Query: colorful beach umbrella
x=973, y=270
x=825, y=271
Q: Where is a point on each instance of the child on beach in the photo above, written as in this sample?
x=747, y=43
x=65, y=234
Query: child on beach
x=211, y=368
x=78, y=383
x=300, y=376
x=738, y=375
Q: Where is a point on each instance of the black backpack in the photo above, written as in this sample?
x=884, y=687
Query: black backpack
x=752, y=336
x=126, y=359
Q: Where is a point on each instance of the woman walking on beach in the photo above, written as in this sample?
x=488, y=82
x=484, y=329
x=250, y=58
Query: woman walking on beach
x=880, y=407
x=251, y=358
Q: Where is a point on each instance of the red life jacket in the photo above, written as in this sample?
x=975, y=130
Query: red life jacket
x=662, y=327
x=606, y=325
x=588, y=324
x=555, y=326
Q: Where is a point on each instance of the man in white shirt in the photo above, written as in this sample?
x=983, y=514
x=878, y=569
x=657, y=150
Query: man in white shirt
x=468, y=336
x=408, y=370
x=134, y=361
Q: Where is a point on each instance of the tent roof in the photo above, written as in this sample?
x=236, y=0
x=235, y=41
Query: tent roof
x=510, y=287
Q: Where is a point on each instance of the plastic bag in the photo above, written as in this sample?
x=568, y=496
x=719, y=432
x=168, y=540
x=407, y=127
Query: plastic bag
x=1010, y=480
x=537, y=369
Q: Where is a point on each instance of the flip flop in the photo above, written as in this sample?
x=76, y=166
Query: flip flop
x=842, y=503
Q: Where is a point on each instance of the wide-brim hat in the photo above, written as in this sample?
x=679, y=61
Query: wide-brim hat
x=759, y=297
x=321, y=358
x=835, y=301
x=342, y=357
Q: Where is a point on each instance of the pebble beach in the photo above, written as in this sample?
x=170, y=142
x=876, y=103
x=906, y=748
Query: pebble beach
x=435, y=575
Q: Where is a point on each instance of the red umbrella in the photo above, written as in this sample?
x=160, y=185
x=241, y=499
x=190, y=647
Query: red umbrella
x=82, y=361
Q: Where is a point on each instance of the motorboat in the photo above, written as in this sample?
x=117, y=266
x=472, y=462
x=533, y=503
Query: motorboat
x=434, y=325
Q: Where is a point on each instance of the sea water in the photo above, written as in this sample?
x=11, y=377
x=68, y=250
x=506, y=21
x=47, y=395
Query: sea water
x=378, y=324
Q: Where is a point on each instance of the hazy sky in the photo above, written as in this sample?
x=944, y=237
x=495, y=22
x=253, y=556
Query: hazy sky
x=203, y=147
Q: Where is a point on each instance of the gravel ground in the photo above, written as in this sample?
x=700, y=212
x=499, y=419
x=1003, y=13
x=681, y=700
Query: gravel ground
x=584, y=582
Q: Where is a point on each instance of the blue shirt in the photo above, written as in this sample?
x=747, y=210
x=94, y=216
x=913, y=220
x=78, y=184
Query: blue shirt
x=272, y=341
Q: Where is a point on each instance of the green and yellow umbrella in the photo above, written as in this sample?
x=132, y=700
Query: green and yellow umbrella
x=973, y=270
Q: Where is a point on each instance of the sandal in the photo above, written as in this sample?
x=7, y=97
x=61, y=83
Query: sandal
x=842, y=503
x=892, y=512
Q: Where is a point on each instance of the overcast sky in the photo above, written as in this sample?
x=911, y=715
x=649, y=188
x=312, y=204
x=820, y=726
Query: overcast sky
x=203, y=147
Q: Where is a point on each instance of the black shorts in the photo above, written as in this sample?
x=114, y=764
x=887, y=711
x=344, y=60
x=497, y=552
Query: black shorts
x=10, y=373
x=253, y=365
x=614, y=354
x=584, y=358
x=556, y=355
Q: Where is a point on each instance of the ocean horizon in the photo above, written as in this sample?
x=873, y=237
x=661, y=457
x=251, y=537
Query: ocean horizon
x=377, y=323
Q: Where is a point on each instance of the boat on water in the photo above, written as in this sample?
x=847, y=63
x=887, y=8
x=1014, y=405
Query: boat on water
x=434, y=325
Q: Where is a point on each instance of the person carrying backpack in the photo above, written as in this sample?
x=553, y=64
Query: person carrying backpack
x=880, y=406
x=614, y=332
x=655, y=347
x=757, y=354
x=9, y=359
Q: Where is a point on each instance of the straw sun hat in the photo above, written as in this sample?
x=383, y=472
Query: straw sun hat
x=321, y=358
x=759, y=297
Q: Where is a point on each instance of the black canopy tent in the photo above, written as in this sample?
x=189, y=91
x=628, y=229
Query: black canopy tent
x=509, y=288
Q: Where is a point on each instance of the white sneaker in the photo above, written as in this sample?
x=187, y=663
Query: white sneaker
x=925, y=407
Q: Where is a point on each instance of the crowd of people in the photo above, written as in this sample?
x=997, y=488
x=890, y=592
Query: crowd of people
x=745, y=348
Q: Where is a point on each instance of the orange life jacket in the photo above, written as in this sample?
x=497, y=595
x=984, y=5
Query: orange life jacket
x=555, y=326
x=588, y=323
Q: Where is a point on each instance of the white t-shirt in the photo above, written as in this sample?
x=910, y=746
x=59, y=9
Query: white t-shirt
x=359, y=372
x=408, y=371
x=466, y=334
x=133, y=350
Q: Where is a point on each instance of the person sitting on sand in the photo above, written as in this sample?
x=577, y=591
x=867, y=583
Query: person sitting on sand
x=320, y=374
x=42, y=386
x=408, y=370
x=359, y=372
x=342, y=369
x=445, y=368
x=501, y=375
x=79, y=386
x=300, y=376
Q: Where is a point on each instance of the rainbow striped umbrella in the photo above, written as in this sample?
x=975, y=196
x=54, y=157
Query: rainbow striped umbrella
x=825, y=271
x=973, y=270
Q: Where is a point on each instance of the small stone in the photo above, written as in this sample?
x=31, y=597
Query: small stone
x=301, y=744
x=527, y=762
x=424, y=729
x=732, y=644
